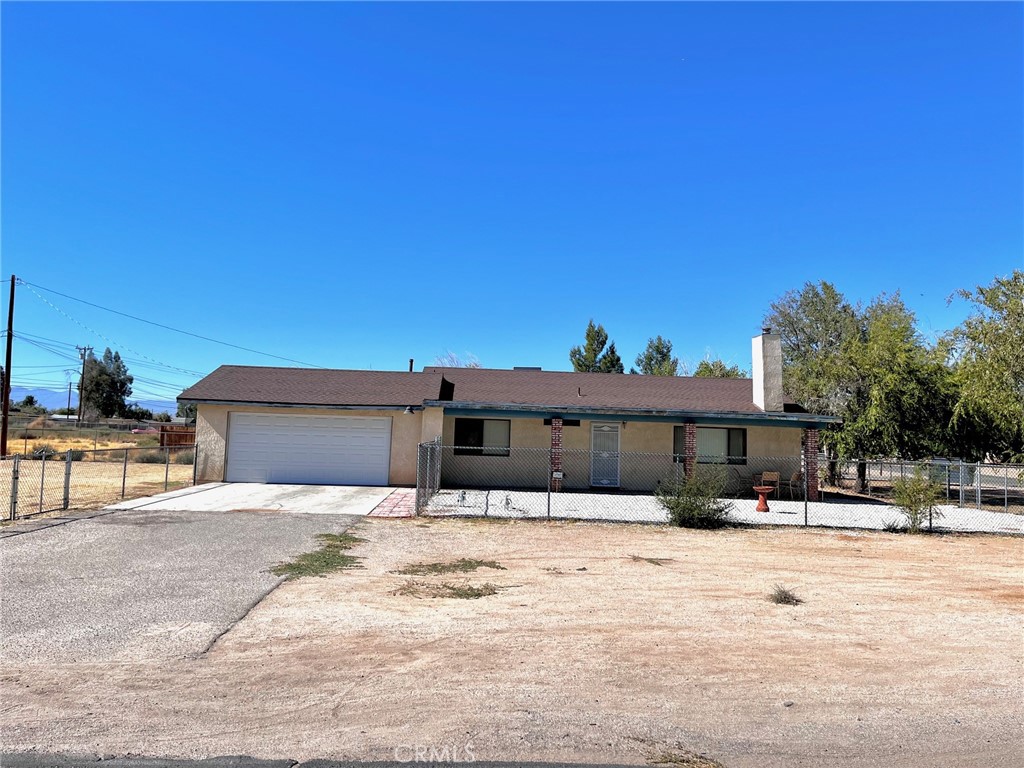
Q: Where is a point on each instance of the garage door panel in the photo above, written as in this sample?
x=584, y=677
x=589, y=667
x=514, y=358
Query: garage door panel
x=340, y=450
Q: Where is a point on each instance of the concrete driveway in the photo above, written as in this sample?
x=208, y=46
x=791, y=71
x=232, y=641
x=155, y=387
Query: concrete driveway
x=257, y=497
x=162, y=580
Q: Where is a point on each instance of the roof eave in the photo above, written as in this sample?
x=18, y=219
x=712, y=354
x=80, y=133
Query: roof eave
x=668, y=414
x=271, y=404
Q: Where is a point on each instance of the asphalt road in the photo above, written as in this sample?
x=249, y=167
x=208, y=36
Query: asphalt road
x=143, y=584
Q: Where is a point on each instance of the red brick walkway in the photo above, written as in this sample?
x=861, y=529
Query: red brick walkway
x=401, y=502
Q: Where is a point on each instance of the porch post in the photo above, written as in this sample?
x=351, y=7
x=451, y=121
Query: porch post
x=689, y=449
x=811, y=463
x=555, y=484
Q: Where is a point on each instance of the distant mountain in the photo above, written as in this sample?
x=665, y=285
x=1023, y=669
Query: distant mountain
x=48, y=398
x=55, y=398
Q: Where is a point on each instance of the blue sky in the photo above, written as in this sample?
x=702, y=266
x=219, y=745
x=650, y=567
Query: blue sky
x=354, y=185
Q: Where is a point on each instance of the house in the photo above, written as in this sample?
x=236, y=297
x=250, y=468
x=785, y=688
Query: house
x=500, y=428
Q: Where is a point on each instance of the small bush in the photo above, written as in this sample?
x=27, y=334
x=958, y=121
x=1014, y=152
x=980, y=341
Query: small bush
x=150, y=457
x=916, y=497
x=782, y=596
x=75, y=454
x=892, y=526
x=45, y=450
x=185, y=457
x=696, y=501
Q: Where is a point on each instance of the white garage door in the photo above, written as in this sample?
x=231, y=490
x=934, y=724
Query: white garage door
x=321, y=450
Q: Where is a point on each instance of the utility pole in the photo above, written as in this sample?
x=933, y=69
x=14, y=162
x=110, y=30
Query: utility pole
x=84, y=352
x=7, y=370
x=69, y=398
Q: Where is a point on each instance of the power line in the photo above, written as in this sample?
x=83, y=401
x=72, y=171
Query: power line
x=165, y=327
x=23, y=336
x=92, y=330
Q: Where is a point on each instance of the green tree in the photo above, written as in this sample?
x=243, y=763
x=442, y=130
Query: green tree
x=163, y=417
x=610, y=362
x=988, y=353
x=717, y=369
x=107, y=385
x=29, y=404
x=817, y=325
x=592, y=356
x=186, y=411
x=871, y=368
x=901, y=401
x=136, y=412
x=656, y=359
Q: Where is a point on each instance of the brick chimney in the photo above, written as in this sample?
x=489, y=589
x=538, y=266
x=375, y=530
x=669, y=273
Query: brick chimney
x=767, y=370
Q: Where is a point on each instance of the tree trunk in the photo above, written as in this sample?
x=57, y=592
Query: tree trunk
x=862, y=477
x=833, y=466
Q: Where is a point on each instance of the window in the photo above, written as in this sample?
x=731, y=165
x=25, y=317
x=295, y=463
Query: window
x=482, y=437
x=715, y=445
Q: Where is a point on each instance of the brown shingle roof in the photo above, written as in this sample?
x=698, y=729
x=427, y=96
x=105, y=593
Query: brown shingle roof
x=551, y=389
x=314, y=386
x=599, y=390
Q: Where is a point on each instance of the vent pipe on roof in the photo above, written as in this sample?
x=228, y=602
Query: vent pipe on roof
x=410, y=364
x=766, y=370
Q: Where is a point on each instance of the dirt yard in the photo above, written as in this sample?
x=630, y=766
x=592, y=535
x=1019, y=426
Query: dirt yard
x=602, y=642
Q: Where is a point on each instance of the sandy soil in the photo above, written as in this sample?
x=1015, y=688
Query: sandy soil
x=93, y=483
x=906, y=652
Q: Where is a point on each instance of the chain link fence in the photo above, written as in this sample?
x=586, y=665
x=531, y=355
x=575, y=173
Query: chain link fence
x=79, y=479
x=536, y=483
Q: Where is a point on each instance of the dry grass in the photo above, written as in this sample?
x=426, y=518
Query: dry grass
x=462, y=565
x=63, y=441
x=445, y=589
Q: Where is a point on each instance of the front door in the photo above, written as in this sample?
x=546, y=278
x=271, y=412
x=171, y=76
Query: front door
x=604, y=455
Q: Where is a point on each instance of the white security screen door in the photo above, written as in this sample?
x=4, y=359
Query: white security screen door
x=604, y=455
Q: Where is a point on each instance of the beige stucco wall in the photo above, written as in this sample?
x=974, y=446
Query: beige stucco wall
x=645, y=448
x=212, y=436
x=522, y=468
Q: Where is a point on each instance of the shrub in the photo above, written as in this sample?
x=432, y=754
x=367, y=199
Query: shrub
x=916, y=497
x=892, y=526
x=75, y=454
x=185, y=457
x=150, y=457
x=45, y=449
x=696, y=501
x=782, y=596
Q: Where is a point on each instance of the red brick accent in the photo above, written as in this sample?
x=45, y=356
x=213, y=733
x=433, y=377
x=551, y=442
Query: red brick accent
x=689, y=448
x=811, y=463
x=556, y=453
x=399, y=503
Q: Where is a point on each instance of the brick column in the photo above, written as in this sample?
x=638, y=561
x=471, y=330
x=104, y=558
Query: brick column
x=811, y=463
x=556, y=454
x=689, y=448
